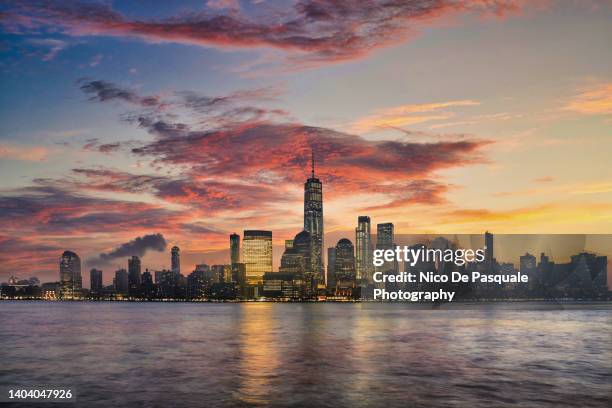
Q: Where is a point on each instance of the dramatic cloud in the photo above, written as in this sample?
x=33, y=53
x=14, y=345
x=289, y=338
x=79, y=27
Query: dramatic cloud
x=25, y=257
x=283, y=150
x=211, y=196
x=319, y=30
x=596, y=100
x=259, y=157
x=136, y=247
x=48, y=210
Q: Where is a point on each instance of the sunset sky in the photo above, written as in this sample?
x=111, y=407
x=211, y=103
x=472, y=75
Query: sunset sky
x=194, y=120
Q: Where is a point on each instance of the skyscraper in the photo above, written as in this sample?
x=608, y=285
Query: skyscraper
x=176, y=260
x=331, y=264
x=313, y=222
x=134, y=276
x=257, y=254
x=95, y=280
x=70, y=275
x=121, y=282
x=385, y=240
x=234, y=249
x=344, y=264
x=363, y=240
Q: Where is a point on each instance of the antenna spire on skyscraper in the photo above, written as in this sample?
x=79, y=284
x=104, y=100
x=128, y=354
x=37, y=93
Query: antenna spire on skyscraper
x=312, y=159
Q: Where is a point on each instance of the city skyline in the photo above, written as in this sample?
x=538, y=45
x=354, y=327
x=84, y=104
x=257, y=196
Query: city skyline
x=449, y=117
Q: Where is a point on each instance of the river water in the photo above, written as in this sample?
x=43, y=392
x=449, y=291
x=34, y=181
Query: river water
x=116, y=354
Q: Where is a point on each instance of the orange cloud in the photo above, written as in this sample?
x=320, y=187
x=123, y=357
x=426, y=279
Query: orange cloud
x=405, y=115
x=596, y=100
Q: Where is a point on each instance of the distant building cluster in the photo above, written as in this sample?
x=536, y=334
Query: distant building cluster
x=302, y=276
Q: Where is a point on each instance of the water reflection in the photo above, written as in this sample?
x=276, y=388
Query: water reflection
x=259, y=350
x=324, y=355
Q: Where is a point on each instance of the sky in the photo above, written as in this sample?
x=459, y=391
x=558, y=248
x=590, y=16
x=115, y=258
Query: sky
x=133, y=126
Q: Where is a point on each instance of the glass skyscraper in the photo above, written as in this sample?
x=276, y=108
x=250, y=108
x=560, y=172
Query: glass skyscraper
x=70, y=275
x=176, y=260
x=257, y=254
x=363, y=240
x=313, y=222
x=234, y=249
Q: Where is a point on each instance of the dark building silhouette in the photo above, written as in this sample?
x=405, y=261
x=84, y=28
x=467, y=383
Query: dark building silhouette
x=147, y=287
x=197, y=285
x=331, y=265
x=176, y=260
x=95, y=282
x=313, y=223
x=134, y=276
x=121, y=282
x=71, y=282
x=167, y=286
x=234, y=248
x=240, y=280
x=589, y=276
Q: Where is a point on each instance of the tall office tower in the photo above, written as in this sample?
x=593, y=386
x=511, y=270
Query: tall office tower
x=257, y=254
x=331, y=264
x=121, y=282
x=384, y=240
x=95, y=281
x=134, y=276
x=176, y=260
x=234, y=248
x=363, y=240
x=344, y=264
x=489, y=256
x=70, y=275
x=313, y=222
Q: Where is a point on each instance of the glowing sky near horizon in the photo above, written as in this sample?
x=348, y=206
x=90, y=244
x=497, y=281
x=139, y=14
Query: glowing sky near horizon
x=120, y=119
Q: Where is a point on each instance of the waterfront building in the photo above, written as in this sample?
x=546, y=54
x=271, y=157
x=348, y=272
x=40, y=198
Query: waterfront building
x=363, y=241
x=121, y=282
x=313, y=223
x=70, y=276
x=344, y=266
x=175, y=260
x=234, y=249
x=257, y=254
x=134, y=270
x=95, y=282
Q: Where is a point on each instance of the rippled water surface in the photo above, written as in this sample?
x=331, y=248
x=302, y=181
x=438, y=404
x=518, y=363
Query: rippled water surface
x=321, y=355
